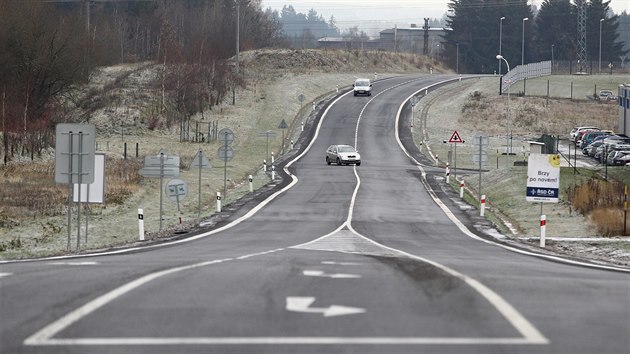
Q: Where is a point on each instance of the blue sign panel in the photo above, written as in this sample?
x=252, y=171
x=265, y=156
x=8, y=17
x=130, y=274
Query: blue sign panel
x=537, y=192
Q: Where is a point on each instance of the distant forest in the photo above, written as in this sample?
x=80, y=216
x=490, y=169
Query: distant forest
x=47, y=47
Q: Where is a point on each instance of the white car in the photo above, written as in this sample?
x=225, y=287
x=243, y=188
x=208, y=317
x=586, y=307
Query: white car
x=362, y=87
x=342, y=155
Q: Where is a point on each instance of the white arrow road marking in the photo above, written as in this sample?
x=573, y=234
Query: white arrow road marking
x=319, y=273
x=301, y=304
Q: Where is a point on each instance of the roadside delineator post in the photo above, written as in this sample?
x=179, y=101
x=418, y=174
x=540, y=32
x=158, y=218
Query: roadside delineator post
x=140, y=225
x=218, y=202
x=447, y=172
x=461, y=189
x=264, y=165
x=251, y=183
x=543, y=226
x=482, y=209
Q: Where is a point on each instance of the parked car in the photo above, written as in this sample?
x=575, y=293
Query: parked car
x=580, y=134
x=618, y=157
x=362, y=87
x=591, y=148
x=607, y=95
x=342, y=155
x=576, y=130
x=589, y=137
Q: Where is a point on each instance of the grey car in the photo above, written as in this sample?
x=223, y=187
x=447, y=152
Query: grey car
x=342, y=155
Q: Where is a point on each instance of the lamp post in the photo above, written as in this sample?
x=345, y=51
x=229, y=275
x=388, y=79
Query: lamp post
x=600, y=45
x=523, y=42
x=500, y=39
x=508, y=146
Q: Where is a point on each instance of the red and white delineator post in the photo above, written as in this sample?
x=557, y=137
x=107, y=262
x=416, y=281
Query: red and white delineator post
x=482, y=208
x=543, y=226
x=461, y=189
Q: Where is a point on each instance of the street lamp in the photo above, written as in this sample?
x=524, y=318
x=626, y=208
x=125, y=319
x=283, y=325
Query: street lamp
x=500, y=37
x=508, y=146
x=523, y=43
x=600, y=45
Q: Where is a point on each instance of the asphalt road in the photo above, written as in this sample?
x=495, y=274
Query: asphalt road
x=368, y=259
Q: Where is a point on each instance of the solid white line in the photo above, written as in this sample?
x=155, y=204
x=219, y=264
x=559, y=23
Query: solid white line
x=5, y=274
x=73, y=263
x=288, y=340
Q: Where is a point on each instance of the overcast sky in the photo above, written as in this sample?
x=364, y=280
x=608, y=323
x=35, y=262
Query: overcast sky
x=372, y=15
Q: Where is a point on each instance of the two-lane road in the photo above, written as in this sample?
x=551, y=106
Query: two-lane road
x=347, y=260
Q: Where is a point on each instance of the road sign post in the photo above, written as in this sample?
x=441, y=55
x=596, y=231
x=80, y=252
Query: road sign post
x=283, y=125
x=455, y=139
x=200, y=161
x=480, y=155
x=160, y=166
x=226, y=136
x=74, y=164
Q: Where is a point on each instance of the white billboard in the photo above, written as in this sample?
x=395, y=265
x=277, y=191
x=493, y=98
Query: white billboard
x=543, y=178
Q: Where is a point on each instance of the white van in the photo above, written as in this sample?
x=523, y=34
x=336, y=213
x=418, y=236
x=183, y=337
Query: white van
x=362, y=87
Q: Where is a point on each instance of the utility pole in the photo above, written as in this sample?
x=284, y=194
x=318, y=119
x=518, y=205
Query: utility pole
x=581, y=35
x=425, y=50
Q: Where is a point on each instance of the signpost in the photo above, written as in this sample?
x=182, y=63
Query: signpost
x=480, y=155
x=225, y=152
x=268, y=134
x=543, y=183
x=93, y=192
x=455, y=139
x=200, y=161
x=283, y=125
x=74, y=164
x=160, y=166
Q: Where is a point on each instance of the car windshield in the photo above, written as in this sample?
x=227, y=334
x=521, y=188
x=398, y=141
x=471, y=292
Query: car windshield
x=363, y=83
x=346, y=149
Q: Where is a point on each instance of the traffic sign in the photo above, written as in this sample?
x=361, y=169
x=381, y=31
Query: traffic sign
x=200, y=160
x=283, y=125
x=455, y=138
x=226, y=153
x=74, y=153
x=226, y=136
x=176, y=190
x=160, y=166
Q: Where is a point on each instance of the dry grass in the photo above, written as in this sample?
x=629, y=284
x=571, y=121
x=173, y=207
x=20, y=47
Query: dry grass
x=609, y=221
